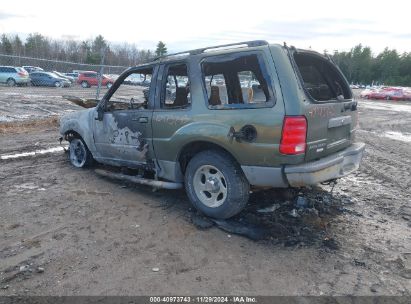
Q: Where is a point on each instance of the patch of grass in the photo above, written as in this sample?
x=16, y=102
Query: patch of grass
x=29, y=125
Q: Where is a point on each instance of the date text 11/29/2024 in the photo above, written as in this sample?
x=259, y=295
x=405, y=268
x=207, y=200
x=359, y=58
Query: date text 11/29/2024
x=203, y=299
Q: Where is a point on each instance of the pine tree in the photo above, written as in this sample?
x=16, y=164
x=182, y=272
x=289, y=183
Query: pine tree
x=161, y=49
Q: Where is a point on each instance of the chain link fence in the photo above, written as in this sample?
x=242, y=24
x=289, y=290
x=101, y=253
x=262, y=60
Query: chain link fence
x=81, y=79
x=34, y=88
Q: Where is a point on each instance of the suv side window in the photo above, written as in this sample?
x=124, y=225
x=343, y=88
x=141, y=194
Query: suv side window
x=176, y=88
x=237, y=81
x=133, y=92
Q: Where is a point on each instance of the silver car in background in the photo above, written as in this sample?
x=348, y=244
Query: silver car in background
x=13, y=76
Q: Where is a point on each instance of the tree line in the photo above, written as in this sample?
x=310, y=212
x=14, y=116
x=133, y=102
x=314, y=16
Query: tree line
x=87, y=51
x=388, y=67
x=359, y=64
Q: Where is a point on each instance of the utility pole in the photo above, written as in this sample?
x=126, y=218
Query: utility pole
x=100, y=77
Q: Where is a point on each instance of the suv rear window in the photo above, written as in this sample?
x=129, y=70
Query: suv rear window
x=237, y=81
x=321, y=79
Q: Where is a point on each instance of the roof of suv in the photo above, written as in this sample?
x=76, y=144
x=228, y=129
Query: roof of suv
x=237, y=45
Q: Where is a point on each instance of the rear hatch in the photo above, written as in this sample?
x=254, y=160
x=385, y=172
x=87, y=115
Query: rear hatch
x=329, y=107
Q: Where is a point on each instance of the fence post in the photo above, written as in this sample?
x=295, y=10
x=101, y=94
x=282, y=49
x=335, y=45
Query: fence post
x=100, y=78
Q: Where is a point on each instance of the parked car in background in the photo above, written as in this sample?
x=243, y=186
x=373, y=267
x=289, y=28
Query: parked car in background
x=387, y=93
x=74, y=75
x=367, y=92
x=88, y=79
x=407, y=94
x=13, y=76
x=394, y=94
x=48, y=79
x=138, y=79
x=31, y=69
x=69, y=78
x=113, y=76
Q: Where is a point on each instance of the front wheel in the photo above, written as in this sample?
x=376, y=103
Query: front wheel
x=79, y=154
x=84, y=84
x=216, y=185
x=109, y=85
x=57, y=84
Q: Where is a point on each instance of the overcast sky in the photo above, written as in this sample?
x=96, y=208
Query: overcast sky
x=181, y=24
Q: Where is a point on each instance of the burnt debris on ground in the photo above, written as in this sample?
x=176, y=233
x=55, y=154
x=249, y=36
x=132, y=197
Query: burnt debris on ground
x=292, y=217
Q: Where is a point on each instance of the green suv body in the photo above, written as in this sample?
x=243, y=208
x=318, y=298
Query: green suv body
x=223, y=119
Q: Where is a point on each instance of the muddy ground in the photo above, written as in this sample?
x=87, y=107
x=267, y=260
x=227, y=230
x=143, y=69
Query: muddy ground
x=67, y=231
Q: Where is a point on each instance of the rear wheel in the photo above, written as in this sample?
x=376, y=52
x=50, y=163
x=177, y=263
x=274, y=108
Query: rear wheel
x=84, y=84
x=79, y=154
x=11, y=82
x=216, y=185
x=108, y=85
x=387, y=98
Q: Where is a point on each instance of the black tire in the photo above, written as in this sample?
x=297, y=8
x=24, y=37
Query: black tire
x=57, y=84
x=11, y=82
x=109, y=85
x=233, y=182
x=79, y=155
x=85, y=84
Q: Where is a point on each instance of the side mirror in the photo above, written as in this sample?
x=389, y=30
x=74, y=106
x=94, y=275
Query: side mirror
x=100, y=113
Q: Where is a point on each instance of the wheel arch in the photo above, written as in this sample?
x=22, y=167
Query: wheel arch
x=192, y=148
x=78, y=124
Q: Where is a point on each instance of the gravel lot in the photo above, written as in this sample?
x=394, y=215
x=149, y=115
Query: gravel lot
x=70, y=232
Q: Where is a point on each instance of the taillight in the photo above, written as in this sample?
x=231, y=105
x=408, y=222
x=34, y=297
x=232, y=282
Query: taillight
x=294, y=134
x=22, y=74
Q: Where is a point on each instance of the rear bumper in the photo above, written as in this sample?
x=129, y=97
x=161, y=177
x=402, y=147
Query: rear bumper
x=331, y=167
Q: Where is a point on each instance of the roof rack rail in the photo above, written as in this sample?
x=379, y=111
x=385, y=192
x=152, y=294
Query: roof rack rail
x=252, y=43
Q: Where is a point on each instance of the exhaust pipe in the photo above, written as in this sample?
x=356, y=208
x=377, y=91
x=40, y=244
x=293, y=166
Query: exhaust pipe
x=140, y=180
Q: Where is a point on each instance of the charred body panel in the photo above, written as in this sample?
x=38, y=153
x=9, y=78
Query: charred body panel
x=78, y=124
x=118, y=139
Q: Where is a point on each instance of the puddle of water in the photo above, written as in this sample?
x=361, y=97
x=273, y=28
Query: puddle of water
x=385, y=106
x=398, y=136
x=32, y=153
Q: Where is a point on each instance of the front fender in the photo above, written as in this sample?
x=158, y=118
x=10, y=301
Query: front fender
x=81, y=123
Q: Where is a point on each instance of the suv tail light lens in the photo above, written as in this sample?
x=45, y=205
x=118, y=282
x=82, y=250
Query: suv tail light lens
x=294, y=134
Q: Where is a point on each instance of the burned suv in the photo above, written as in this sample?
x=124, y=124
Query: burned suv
x=221, y=120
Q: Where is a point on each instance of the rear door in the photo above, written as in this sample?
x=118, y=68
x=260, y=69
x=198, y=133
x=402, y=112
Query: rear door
x=331, y=111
